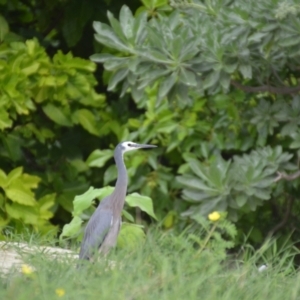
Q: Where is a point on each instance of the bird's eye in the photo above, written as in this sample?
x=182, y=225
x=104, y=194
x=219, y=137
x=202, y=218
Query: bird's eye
x=129, y=144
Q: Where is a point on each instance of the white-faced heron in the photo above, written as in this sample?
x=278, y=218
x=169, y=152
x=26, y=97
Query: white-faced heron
x=103, y=227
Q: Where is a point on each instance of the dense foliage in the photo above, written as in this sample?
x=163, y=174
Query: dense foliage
x=213, y=83
x=229, y=68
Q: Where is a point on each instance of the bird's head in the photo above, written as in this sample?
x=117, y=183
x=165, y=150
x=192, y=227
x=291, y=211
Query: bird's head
x=128, y=146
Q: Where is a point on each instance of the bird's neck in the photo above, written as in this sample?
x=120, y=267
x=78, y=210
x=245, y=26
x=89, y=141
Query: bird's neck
x=121, y=184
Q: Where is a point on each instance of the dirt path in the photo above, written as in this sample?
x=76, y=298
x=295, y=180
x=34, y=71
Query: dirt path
x=12, y=254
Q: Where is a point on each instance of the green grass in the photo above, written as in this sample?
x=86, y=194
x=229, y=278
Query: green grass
x=165, y=267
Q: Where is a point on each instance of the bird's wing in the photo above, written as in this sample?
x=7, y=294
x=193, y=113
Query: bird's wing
x=95, y=232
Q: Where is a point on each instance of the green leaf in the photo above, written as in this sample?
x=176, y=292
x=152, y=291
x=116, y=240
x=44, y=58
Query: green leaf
x=149, y=76
x=116, y=27
x=143, y=202
x=46, y=202
x=198, y=169
x=72, y=229
x=20, y=212
x=98, y=158
x=290, y=41
x=225, y=81
x=44, y=205
x=211, y=79
x=246, y=71
x=128, y=216
x=116, y=78
x=87, y=120
x=131, y=236
x=13, y=144
x=104, y=192
x=126, y=21
x=155, y=38
x=30, y=181
x=187, y=77
x=166, y=85
x=4, y=28
x=241, y=200
x=116, y=63
x=3, y=179
x=84, y=201
x=55, y=114
x=295, y=144
x=16, y=192
x=194, y=183
x=198, y=195
x=155, y=56
x=103, y=57
x=72, y=27
x=139, y=27
x=14, y=174
x=107, y=37
x=167, y=127
x=176, y=46
x=31, y=69
x=218, y=172
x=5, y=121
x=110, y=174
x=262, y=194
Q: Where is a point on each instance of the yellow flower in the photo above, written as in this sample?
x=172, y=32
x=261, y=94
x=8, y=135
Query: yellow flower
x=27, y=270
x=60, y=292
x=214, y=216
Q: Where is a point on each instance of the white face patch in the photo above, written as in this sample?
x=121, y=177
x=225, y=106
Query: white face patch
x=128, y=146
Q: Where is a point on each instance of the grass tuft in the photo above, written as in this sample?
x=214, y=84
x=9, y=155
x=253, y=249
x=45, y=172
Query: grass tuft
x=165, y=267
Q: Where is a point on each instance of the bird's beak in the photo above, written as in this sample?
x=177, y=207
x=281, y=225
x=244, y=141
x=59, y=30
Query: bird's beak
x=145, y=146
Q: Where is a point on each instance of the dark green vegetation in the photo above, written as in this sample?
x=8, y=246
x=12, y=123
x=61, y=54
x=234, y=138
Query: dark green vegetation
x=213, y=83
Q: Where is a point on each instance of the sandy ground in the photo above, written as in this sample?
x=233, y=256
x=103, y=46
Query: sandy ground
x=12, y=254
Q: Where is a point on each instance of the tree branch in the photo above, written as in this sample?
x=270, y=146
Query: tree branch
x=285, y=218
x=266, y=88
x=286, y=176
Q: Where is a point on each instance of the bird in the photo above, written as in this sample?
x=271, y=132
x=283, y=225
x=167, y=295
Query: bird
x=103, y=227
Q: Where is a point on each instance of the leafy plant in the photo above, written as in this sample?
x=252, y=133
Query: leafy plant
x=229, y=93
x=183, y=54
x=18, y=203
x=235, y=186
x=216, y=234
x=130, y=235
x=209, y=82
x=40, y=98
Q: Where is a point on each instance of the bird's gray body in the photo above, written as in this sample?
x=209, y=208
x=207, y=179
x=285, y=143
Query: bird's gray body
x=103, y=227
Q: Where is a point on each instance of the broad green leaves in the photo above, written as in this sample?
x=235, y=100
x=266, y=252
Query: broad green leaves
x=87, y=120
x=192, y=53
x=144, y=203
x=17, y=187
x=244, y=183
x=268, y=116
x=73, y=228
x=19, y=203
x=128, y=36
x=105, y=35
x=56, y=115
x=4, y=28
x=131, y=236
x=99, y=157
x=28, y=83
x=5, y=121
x=47, y=105
x=83, y=202
x=192, y=47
